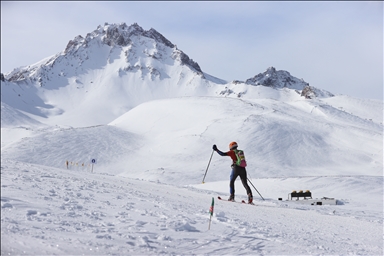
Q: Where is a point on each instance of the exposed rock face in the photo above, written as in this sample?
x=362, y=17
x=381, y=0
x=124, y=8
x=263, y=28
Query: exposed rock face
x=310, y=92
x=283, y=79
x=277, y=79
x=185, y=60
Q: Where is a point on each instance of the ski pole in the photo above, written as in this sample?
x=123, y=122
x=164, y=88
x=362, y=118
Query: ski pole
x=255, y=189
x=208, y=166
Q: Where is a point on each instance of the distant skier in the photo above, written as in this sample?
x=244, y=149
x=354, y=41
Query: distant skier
x=238, y=169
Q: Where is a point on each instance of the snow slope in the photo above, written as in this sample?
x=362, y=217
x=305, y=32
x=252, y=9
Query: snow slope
x=11, y=117
x=145, y=194
x=281, y=138
x=148, y=115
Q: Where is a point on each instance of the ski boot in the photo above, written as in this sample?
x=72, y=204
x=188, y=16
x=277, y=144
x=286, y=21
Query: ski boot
x=250, y=199
x=231, y=198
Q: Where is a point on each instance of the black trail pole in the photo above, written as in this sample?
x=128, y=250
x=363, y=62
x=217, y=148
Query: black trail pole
x=256, y=189
x=208, y=166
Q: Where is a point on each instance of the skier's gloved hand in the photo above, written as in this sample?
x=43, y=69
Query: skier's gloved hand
x=214, y=147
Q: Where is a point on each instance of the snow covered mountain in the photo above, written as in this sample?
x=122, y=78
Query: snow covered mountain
x=148, y=115
x=117, y=74
x=125, y=63
x=116, y=61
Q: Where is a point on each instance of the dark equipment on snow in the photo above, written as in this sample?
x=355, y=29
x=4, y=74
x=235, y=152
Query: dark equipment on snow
x=307, y=195
x=300, y=194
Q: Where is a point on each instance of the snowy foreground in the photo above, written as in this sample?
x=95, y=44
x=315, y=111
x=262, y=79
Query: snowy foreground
x=145, y=195
x=57, y=211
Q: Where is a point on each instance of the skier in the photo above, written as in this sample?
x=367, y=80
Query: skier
x=238, y=169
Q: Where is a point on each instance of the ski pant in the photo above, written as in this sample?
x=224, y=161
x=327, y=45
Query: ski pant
x=239, y=171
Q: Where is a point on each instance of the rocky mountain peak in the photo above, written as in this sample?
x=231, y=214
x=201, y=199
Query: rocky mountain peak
x=277, y=79
x=117, y=35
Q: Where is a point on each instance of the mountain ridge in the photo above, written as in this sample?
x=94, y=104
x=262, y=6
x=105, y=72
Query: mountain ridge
x=130, y=63
x=113, y=35
x=121, y=35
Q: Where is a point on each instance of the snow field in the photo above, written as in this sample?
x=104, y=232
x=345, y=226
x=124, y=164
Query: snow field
x=56, y=211
x=146, y=197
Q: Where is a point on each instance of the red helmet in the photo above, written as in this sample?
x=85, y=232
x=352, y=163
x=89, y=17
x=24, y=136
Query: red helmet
x=232, y=145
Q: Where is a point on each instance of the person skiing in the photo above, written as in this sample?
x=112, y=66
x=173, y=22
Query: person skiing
x=238, y=169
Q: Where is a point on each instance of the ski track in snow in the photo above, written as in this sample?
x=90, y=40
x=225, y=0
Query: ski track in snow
x=58, y=211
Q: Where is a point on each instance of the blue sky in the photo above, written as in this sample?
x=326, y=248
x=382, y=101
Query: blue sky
x=336, y=46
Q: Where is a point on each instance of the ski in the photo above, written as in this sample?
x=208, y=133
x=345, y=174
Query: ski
x=242, y=201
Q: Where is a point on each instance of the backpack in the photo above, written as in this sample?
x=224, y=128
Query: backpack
x=240, y=158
